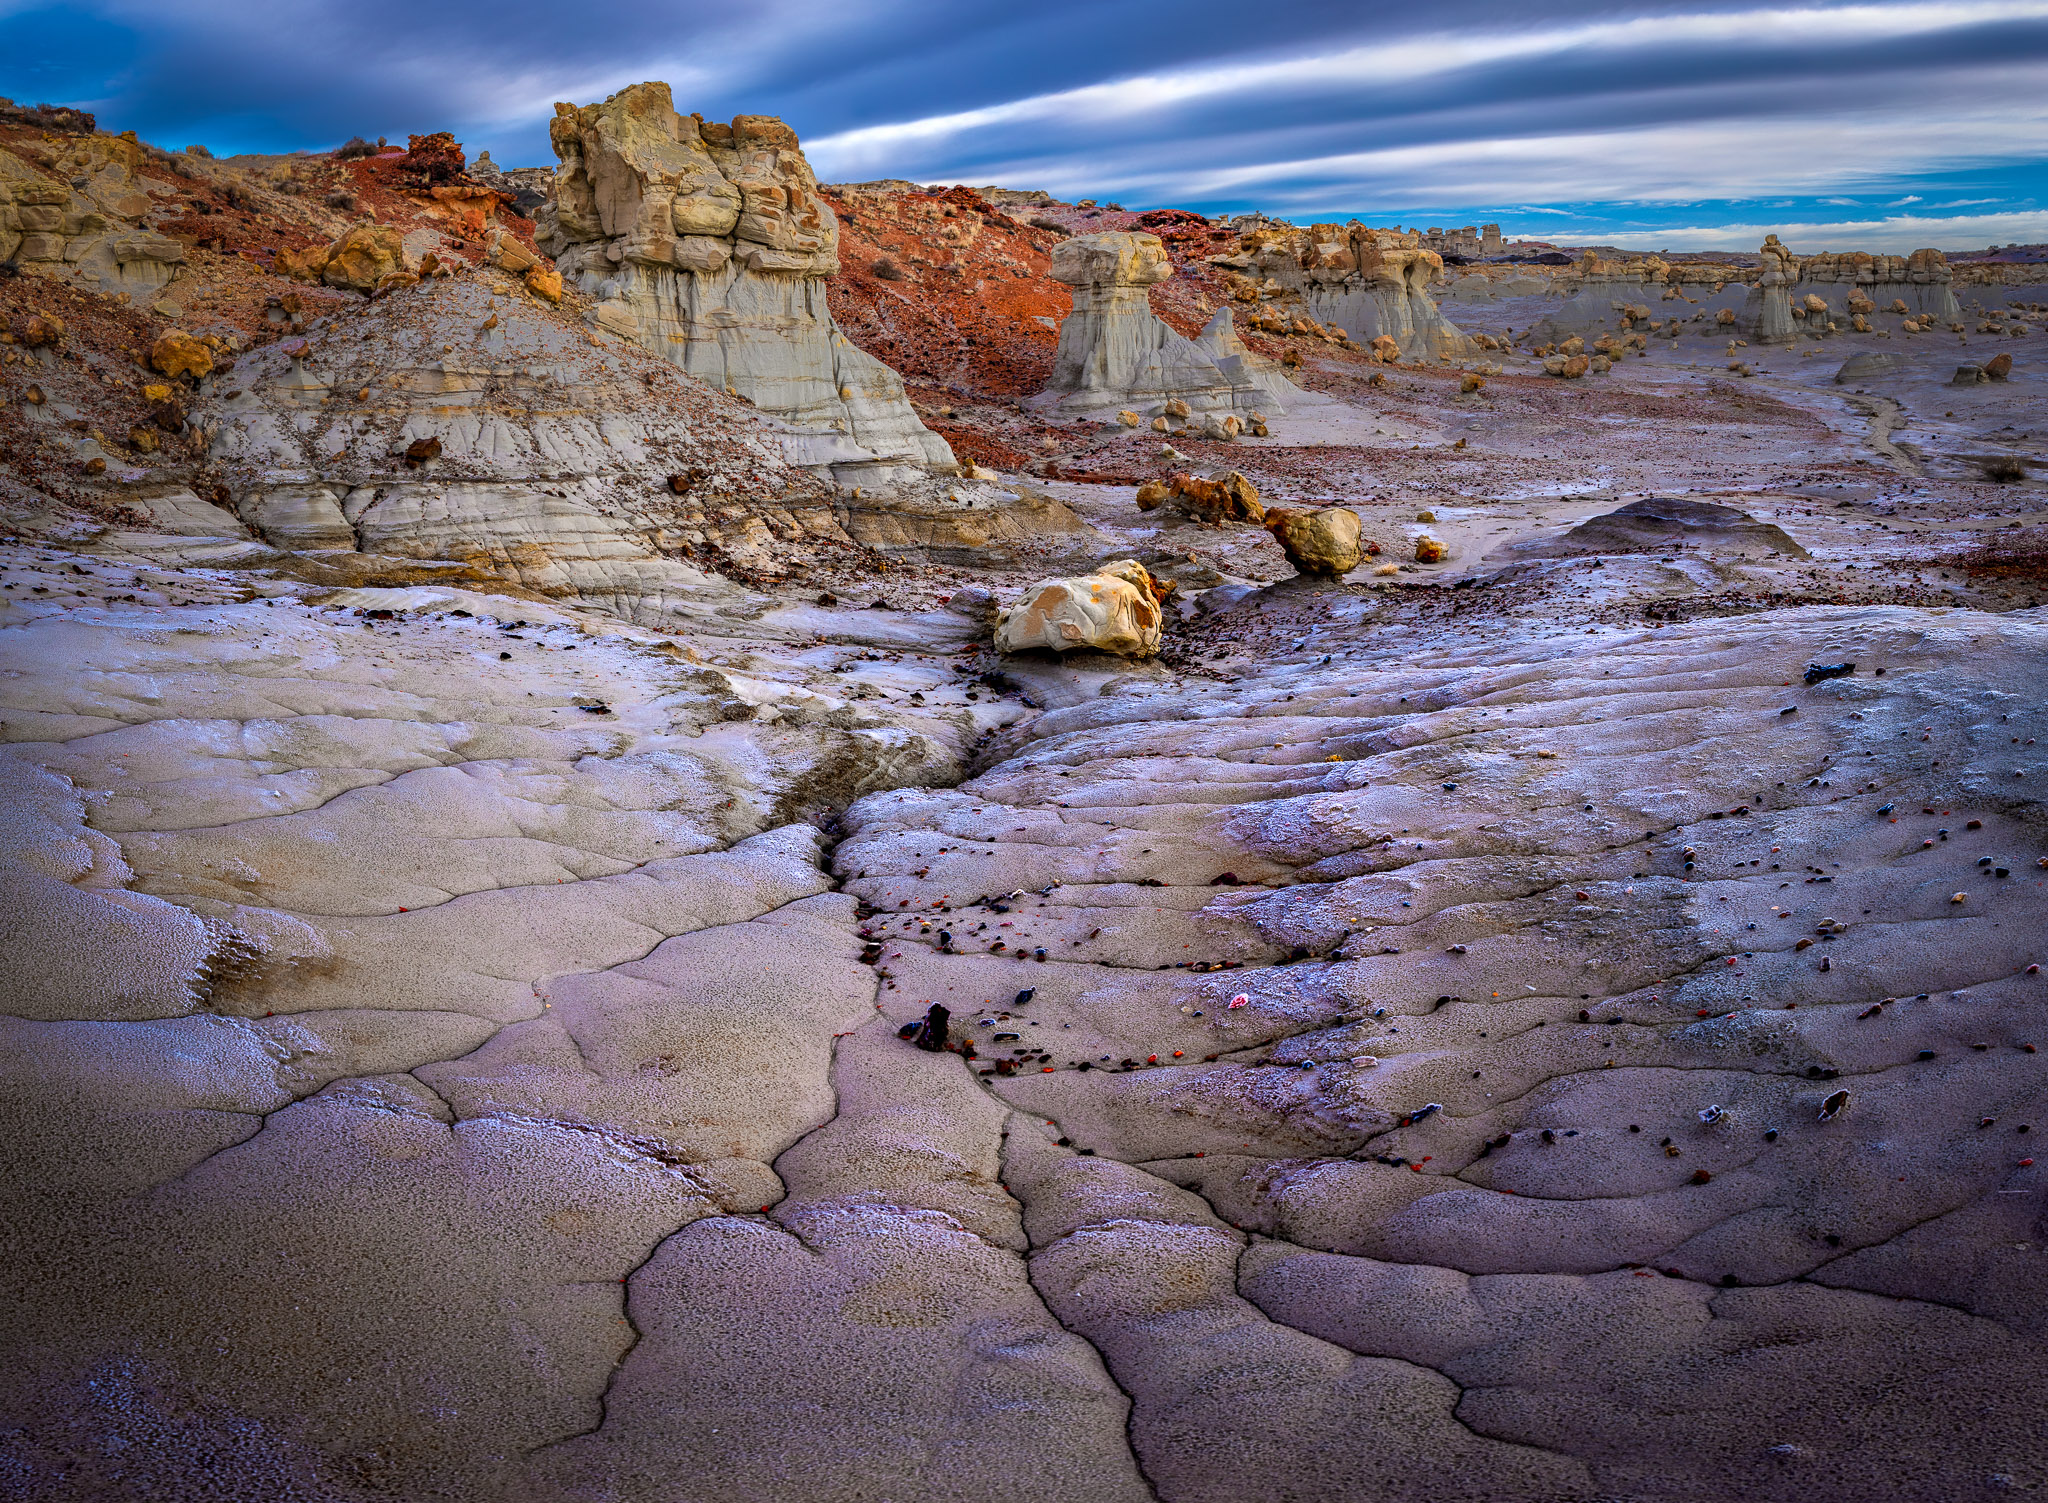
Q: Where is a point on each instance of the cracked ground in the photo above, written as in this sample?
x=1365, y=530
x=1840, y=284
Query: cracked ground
x=1492, y=1032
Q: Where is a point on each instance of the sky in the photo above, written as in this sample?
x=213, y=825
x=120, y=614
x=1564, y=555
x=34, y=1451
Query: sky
x=1875, y=126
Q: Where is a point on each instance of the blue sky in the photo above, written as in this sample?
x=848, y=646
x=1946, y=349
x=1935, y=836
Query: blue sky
x=1871, y=125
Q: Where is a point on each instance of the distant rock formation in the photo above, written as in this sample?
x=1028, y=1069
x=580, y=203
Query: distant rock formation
x=1598, y=289
x=1834, y=289
x=82, y=218
x=1115, y=353
x=708, y=244
x=1368, y=282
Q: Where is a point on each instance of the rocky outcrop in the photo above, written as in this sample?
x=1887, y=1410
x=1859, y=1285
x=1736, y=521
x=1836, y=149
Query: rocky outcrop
x=82, y=218
x=1600, y=292
x=465, y=429
x=1115, y=353
x=709, y=245
x=1368, y=282
x=1837, y=290
x=1116, y=609
x=1658, y=524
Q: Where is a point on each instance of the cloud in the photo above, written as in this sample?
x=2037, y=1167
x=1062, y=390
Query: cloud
x=1894, y=233
x=1910, y=198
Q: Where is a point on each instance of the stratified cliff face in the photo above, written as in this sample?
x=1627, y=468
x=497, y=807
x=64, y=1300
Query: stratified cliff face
x=1114, y=352
x=709, y=245
x=1368, y=282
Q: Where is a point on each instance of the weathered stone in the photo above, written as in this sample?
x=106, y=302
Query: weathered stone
x=1998, y=367
x=1322, y=542
x=177, y=353
x=708, y=244
x=1116, y=609
x=1114, y=351
x=363, y=256
x=1867, y=365
x=1428, y=551
x=1226, y=498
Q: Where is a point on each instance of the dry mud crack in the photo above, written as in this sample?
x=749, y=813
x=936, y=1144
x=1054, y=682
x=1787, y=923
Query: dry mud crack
x=1432, y=1045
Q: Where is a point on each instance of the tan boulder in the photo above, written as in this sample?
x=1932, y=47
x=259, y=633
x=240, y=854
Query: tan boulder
x=1323, y=542
x=1116, y=609
x=1998, y=367
x=38, y=330
x=1469, y=383
x=1815, y=303
x=1386, y=349
x=363, y=257
x=1232, y=498
x=1128, y=418
x=305, y=265
x=1428, y=550
x=177, y=353
x=1151, y=494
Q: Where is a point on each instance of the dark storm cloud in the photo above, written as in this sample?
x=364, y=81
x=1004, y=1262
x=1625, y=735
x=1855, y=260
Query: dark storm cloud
x=1302, y=108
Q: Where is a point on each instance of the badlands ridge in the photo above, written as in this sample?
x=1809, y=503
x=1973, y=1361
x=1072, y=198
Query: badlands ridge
x=675, y=833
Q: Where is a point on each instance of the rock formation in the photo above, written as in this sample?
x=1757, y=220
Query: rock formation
x=1115, y=353
x=1793, y=296
x=1116, y=609
x=1600, y=291
x=1368, y=282
x=465, y=429
x=81, y=217
x=708, y=244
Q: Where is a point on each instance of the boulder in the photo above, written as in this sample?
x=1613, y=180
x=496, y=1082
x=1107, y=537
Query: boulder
x=1867, y=365
x=1998, y=367
x=177, y=353
x=708, y=245
x=1322, y=542
x=1969, y=375
x=364, y=256
x=1226, y=498
x=1116, y=609
x=36, y=331
x=1566, y=367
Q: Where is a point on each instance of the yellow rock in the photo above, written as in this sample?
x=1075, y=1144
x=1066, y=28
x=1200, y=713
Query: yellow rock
x=177, y=353
x=156, y=392
x=1428, y=551
x=363, y=257
x=1470, y=383
x=1128, y=418
x=544, y=282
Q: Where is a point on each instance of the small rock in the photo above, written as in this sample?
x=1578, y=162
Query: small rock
x=1428, y=551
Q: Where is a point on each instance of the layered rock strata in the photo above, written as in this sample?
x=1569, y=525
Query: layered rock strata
x=1368, y=282
x=1819, y=294
x=708, y=244
x=1115, y=353
x=81, y=218
x=463, y=429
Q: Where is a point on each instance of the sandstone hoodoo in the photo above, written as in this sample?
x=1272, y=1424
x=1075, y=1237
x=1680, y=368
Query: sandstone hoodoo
x=1115, y=353
x=708, y=244
x=1372, y=283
